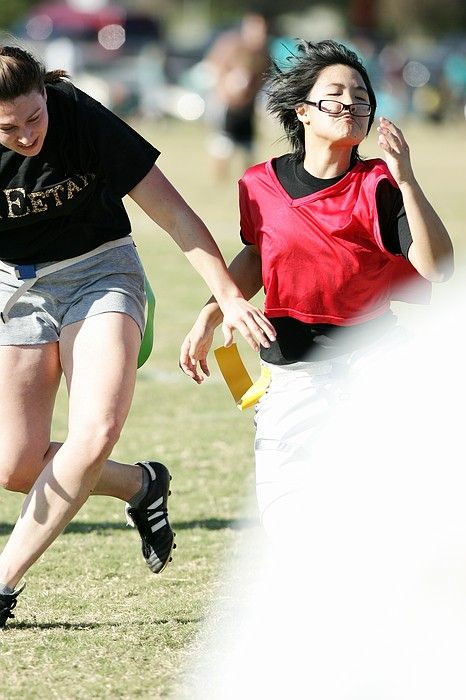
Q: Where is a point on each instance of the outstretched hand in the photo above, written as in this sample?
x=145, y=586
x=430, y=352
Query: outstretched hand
x=194, y=349
x=396, y=149
x=238, y=314
x=254, y=326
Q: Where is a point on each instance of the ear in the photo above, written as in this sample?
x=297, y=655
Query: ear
x=302, y=113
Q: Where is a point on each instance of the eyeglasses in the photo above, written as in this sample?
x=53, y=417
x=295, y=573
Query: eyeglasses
x=359, y=109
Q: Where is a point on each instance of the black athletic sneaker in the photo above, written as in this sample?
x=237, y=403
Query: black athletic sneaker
x=151, y=518
x=7, y=604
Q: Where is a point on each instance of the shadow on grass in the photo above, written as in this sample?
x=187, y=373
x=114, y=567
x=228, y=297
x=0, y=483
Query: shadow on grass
x=216, y=524
x=80, y=527
x=84, y=626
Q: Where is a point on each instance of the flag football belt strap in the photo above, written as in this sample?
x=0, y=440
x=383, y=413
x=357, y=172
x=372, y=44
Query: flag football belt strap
x=148, y=335
x=29, y=274
x=244, y=391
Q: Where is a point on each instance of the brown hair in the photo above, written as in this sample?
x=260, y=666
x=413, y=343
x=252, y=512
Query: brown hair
x=21, y=73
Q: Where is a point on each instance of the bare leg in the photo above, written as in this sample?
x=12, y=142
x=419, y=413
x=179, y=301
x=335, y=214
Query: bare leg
x=29, y=377
x=117, y=479
x=98, y=357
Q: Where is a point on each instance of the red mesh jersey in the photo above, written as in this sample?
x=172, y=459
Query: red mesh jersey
x=323, y=259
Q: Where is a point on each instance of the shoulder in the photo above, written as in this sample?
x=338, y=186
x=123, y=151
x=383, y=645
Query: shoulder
x=256, y=172
x=69, y=95
x=375, y=170
x=65, y=96
x=66, y=91
x=375, y=166
x=60, y=94
x=378, y=182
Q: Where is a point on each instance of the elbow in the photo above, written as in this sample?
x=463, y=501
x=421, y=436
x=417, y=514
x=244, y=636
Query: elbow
x=445, y=275
x=435, y=267
x=439, y=277
x=440, y=272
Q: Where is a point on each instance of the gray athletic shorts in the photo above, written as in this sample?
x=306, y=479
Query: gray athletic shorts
x=112, y=280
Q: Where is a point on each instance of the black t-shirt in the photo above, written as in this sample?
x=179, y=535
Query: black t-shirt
x=67, y=200
x=298, y=341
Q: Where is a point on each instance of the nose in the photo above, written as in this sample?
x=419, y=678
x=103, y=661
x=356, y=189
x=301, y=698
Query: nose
x=26, y=137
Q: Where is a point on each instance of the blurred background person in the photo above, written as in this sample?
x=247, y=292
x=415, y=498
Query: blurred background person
x=237, y=61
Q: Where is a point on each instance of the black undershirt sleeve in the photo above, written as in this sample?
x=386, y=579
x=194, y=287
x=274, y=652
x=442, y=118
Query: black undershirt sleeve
x=394, y=227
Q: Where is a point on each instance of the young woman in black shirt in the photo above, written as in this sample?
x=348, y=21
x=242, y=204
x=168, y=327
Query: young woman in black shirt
x=72, y=302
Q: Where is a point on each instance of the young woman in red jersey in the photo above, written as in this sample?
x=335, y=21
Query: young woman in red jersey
x=326, y=234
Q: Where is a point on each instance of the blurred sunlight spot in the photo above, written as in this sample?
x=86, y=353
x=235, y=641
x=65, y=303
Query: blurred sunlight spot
x=416, y=74
x=39, y=27
x=190, y=107
x=112, y=36
x=87, y=5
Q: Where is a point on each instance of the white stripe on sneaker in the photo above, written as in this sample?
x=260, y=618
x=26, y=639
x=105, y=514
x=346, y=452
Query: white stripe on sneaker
x=156, y=503
x=157, y=514
x=158, y=525
x=151, y=471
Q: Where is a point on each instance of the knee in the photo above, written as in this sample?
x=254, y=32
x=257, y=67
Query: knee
x=12, y=479
x=105, y=437
x=95, y=439
x=20, y=466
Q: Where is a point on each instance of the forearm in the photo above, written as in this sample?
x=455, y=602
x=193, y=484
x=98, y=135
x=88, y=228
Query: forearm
x=246, y=271
x=165, y=206
x=431, y=252
x=204, y=255
x=256, y=328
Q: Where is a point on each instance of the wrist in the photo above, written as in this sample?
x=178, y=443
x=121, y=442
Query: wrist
x=210, y=315
x=408, y=183
x=227, y=292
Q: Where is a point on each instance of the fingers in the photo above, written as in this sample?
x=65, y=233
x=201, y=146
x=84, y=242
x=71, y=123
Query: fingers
x=390, y=137
x=256, y=330
x=228, y=335
x=265, y=331
x=204, y=366
x=253, y=325
x=188, y=364
x=190, y=369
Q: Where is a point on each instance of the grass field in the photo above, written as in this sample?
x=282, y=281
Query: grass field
x=92, y=622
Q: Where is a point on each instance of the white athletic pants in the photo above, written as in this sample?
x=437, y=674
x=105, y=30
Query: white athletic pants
x=288, y=418
x=292, y=416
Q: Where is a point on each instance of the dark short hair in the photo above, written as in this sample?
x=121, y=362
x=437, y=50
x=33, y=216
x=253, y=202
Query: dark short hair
x=21, y=73
x=289, y=86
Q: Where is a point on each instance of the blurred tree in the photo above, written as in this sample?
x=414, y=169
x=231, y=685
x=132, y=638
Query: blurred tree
x=12, y=11
x=363, y=15
x=397, y=16
x=418, y=16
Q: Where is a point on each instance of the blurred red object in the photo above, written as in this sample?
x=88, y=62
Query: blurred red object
x=65, y=17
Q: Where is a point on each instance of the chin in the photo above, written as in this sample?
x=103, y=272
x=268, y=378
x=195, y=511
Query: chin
x=32, y=151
